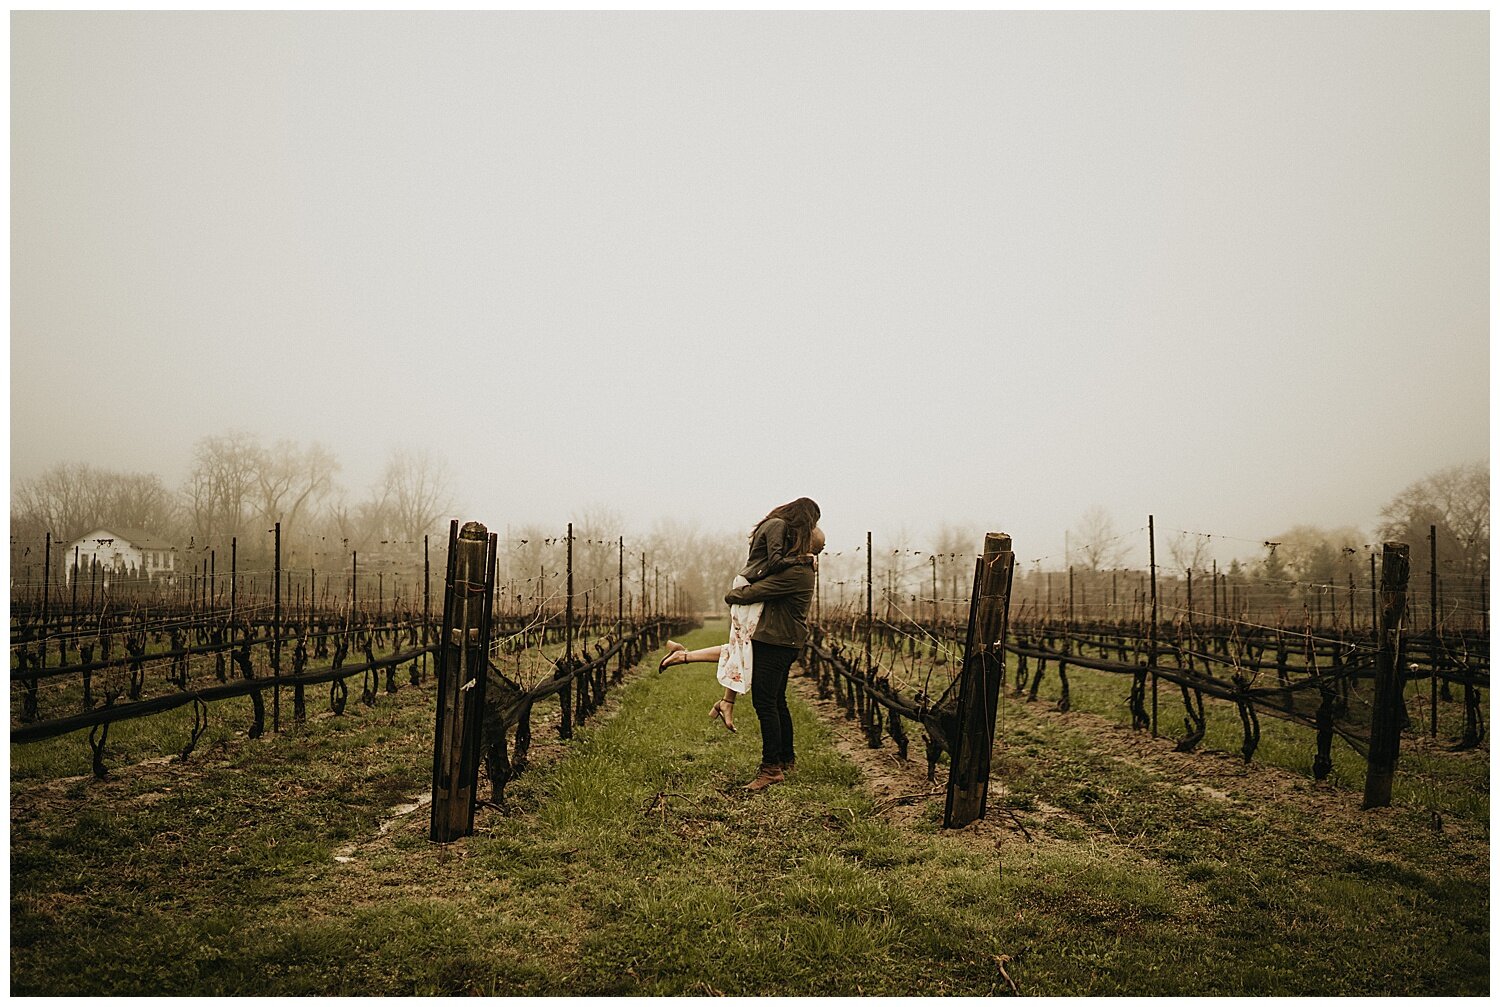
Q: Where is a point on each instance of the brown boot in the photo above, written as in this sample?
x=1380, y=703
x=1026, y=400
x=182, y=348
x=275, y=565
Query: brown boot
x=788, y=768
x=767, y=776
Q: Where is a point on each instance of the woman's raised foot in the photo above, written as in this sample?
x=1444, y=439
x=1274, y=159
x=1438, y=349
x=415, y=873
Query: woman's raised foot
x=673, y=648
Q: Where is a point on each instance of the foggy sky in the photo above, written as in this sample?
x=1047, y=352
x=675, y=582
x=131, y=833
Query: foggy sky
x=992, y=269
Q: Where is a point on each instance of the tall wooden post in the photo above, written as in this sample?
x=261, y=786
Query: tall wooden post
x=462, y=663
x=276, y=639
x=73, y=605
x=1432, y=632
x=934, y=595
x=1471, y=691
x=568, y=615
x=46, y=594
x=1215, y=585
x=1065, y=697
x=979, y=684
x=29, y=710
x=234, y=576
x=1385, y=721
x=869, y=604
x=1151, y=659
x=426, y=597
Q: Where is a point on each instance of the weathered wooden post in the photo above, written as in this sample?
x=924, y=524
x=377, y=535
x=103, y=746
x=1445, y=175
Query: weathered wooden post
x=276, y=639
x=979, y=684
x=1432, y=625
x=620, y=611
x=1152, y=653
x=1385, y=724
x=426, y=598
x=1065, y=700
x=73, y=606
x=234, y=576
x=463, y=658
x=869, y=605
x=568, y=613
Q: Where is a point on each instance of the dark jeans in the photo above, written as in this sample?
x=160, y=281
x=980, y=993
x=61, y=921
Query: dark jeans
x=768, y=678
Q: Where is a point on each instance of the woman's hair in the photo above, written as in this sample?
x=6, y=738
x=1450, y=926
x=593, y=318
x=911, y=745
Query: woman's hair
x=801, y=515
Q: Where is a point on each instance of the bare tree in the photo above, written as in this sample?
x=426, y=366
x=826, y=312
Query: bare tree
x=954, y=550
x=220, y=488
x=417, y=488
x=1096, y=541
x=701, y=565
x=289, y=480
x=1188, y=550
x=141, y=500
x=58, y=500
x=1455, y=499
x=71, y=499
x=1315, y=555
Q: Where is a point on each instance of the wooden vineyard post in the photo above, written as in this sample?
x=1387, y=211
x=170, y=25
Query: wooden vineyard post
x=276, y=638
x=1385, y=724
x=462, y=663
x=1432, y=631
x=979, y=684
x=1152, y=655
x=426, y=598
x=869, y=607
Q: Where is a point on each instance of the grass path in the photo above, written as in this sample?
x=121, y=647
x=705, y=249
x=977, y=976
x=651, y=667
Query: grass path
x=631, y=861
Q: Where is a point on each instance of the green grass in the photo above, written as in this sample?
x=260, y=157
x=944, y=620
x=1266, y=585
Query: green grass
x=634, y=863
x=1437, y=780
x=167, y=733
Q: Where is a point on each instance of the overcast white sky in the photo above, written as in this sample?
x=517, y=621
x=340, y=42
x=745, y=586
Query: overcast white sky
x=1229, y=269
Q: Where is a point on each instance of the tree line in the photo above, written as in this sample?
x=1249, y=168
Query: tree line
x=236, y=488
x=1448, y=509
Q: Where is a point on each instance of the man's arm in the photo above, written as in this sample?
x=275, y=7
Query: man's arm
x=792, y=580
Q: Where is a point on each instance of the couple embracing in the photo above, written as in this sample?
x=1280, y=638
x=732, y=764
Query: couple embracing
x=768, y=608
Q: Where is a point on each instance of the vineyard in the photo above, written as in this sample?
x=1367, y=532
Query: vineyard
x=137, y=648
x=1129, y=732
x=1304, y=653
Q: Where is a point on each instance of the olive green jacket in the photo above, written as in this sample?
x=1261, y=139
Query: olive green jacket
x=788, y=595
x=768, y=548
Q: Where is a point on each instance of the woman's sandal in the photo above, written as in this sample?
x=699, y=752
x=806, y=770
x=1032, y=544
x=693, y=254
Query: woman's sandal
x=720, y=713
x=673, y=647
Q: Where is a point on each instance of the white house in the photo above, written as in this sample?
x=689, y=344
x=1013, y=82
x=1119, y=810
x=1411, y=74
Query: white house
x=128, y=550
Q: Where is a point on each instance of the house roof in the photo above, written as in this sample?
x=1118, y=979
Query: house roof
x=134, y=536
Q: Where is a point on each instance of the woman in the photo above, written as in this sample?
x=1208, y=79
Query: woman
x=780, y=539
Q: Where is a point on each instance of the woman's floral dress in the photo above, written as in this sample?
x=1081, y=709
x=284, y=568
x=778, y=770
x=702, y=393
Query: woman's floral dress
x=736, y=660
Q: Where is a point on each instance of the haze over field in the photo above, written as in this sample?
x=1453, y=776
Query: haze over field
x=987, y=269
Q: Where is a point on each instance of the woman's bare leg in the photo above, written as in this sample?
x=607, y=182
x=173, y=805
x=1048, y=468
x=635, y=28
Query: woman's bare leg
x=724, y=708
x=678, y=654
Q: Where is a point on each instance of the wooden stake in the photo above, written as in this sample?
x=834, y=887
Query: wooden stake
x=979, y=684
x=1385, y=722
x=462, y=666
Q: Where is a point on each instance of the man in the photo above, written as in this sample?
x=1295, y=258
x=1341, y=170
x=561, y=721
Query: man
x=776, y=642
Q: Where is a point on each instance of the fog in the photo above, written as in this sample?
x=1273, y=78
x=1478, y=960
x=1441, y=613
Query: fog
x=987, y=271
